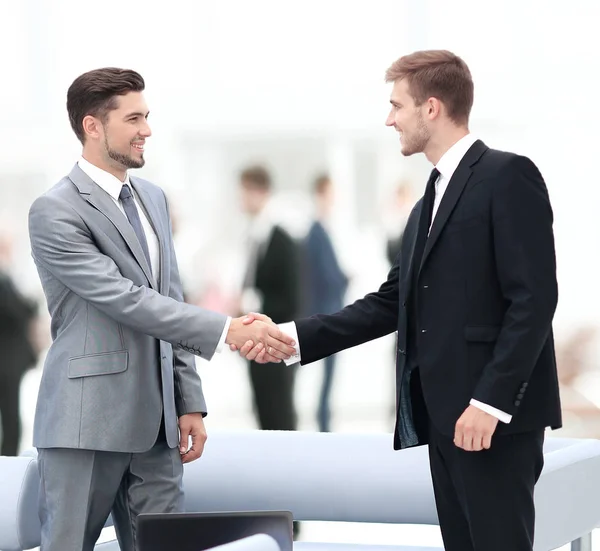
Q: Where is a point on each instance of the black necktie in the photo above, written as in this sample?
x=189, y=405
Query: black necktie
x=134, y=219
x=425, y=219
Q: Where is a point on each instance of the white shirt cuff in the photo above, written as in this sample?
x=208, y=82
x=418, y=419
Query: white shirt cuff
x=498, y=414
x=219, y=348
x=290, y=330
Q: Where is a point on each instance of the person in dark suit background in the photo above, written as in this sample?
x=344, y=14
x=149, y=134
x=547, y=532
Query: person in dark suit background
x=472, y=296
x=272, y=286
x=401, y=205
x=324, y=282
x=17, y=314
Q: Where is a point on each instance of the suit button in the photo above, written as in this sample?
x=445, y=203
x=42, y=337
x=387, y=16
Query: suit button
x=404, y=304
x=401, y=351
x=519, y=396
x=423, y=330
x=425, y=286
x=517, y=403
x=525, y=384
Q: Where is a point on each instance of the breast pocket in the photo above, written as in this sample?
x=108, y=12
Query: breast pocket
x=470, y=223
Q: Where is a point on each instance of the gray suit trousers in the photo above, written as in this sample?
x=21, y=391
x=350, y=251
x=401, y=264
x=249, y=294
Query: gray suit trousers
x=79, y=488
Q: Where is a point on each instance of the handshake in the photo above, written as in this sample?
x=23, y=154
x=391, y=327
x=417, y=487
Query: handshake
x=258, y=338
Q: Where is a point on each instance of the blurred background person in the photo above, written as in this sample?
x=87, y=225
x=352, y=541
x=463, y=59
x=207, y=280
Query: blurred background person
x=577, y=365
x=325, y=283
x=17, y=318
x=401, y=204
x=271, y=285
x=395, y=219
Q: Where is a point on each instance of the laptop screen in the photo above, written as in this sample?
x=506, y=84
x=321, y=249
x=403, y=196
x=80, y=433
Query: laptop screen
x=200, y=531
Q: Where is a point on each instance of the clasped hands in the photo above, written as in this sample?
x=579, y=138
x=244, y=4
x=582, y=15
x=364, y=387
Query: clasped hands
x=258, y=338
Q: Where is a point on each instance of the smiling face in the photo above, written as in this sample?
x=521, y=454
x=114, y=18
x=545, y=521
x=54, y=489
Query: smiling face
x=409, y=119
x=125, y=130
x=115, y=139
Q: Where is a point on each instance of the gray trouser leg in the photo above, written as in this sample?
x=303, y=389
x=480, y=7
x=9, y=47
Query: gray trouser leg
x=152, y=484
x=77, y=491
x=79, y=488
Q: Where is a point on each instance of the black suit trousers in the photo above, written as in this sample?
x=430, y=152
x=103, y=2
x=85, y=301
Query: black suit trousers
x=273, y=390
x=10, y=387
x=485, y=499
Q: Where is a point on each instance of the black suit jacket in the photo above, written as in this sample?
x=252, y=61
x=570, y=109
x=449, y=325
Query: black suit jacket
x=278, y=276
x=486, y=295
x=16, y=313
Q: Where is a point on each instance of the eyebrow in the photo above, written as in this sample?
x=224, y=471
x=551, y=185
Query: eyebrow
x=137, y=114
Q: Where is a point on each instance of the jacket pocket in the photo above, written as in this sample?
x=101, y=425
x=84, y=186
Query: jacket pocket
x=104, y=363
x=482, y=333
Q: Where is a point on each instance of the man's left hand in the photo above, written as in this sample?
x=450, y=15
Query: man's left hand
x=474, y=430
x=191, y=424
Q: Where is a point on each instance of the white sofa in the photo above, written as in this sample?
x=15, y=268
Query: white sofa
x=334, y=477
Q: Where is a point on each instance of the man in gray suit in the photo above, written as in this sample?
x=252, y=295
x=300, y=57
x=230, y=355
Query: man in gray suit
x=119, y=398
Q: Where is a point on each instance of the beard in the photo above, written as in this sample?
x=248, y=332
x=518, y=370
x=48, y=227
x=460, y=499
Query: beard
x=126, y=161
x=417, y=142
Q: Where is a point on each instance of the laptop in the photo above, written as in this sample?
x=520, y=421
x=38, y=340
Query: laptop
x=200, y=531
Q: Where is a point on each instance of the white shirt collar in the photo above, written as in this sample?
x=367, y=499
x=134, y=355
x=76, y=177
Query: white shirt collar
x=452, y=158
x=109, y=183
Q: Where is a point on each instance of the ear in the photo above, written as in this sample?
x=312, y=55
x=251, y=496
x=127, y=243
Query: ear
x=433, y=108
x=92, y=127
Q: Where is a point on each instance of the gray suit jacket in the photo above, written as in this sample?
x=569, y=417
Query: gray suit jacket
x=121, y=346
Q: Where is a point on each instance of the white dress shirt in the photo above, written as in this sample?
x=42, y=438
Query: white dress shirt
x=446, y=166
x=112, y=186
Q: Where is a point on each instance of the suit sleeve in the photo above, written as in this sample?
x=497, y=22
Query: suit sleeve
x=369, y=318
x=62, y=243
x=189, y=397
x=526, y=267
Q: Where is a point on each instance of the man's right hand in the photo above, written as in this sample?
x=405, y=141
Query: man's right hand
x=264, y=335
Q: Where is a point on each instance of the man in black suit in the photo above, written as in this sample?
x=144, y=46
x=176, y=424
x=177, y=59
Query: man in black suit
x=472, y=295
x=271, y=285
x=324, y=282
x=17, y=315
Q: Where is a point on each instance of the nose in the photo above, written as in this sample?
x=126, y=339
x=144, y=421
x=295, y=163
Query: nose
x=145, y=131
x=390, y=119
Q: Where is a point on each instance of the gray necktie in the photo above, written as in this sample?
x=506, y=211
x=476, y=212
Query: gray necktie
x=134, y=219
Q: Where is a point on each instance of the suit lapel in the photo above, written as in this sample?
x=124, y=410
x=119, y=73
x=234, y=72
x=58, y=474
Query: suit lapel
x=153, y=215
x=455, y=189
x=101, y=201
x=412, y=231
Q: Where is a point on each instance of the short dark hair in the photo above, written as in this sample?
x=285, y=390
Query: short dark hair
x=94, y=93
x=257, y=177
x=437, y=73
x=321, y=183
